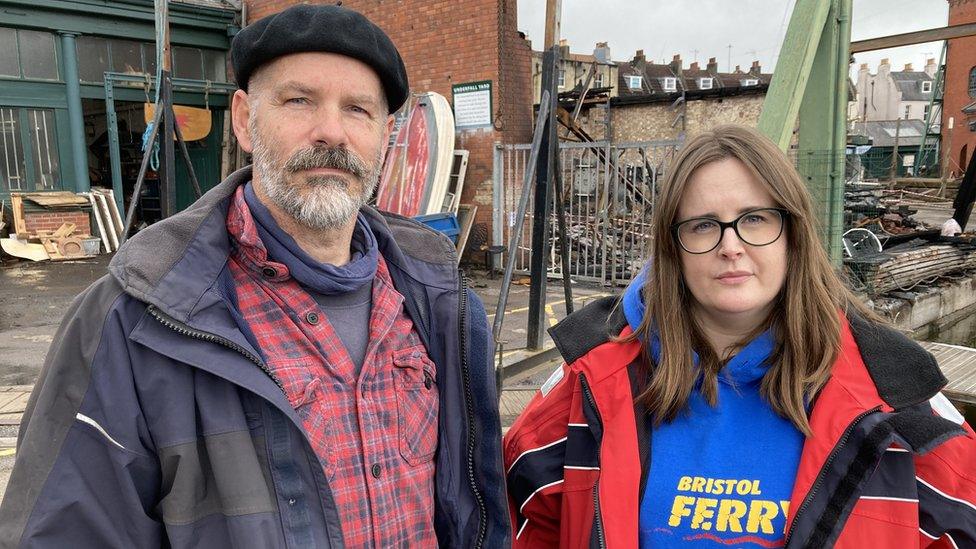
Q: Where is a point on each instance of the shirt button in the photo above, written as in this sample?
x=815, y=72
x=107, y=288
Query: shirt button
x=291, y=502
x=428, y=381
x=376, y=470
x=269, y=272
x=312, y=318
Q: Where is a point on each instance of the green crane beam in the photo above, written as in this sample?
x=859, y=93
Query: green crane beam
x=810, y=87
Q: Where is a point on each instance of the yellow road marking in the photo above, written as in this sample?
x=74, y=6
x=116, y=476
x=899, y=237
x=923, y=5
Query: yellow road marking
x=551, y=315
x=8, y=452
x=560, y=302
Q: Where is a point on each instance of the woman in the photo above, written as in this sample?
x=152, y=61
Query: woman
x=739, y=395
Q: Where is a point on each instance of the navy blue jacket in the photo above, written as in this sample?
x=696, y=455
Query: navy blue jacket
x=154, y=422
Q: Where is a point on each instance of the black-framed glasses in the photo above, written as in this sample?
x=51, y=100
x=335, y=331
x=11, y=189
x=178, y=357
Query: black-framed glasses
x=759, y=227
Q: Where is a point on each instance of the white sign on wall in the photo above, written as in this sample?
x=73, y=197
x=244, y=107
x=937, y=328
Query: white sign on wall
x=472, y=105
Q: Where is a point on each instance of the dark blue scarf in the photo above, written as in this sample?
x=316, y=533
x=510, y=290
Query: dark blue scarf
x=315, y=275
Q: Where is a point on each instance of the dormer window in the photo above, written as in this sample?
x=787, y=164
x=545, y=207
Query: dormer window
x=927, y=86
x=633, y=82
x=670, y=84
x=750, y=82
x=705, y=83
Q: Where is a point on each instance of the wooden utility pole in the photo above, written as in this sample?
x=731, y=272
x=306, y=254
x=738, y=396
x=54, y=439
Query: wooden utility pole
x=167, y=164
x=894, y=152
x=544, y=167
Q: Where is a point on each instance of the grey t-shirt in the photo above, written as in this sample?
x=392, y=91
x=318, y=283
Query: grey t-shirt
x=348, y=314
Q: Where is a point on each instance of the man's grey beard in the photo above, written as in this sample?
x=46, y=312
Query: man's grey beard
x=320, y=202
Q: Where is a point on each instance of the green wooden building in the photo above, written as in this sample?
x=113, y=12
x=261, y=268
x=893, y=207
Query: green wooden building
x=54, y=124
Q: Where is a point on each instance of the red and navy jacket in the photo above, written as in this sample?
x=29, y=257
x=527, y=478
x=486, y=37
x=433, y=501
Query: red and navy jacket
x=890, y=463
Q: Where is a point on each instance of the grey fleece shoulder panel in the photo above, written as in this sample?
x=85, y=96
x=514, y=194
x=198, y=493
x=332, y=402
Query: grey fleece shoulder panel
x=54, y=403
x=904, y=373
x=146, y=257
x=416, y=239
x=587, y=328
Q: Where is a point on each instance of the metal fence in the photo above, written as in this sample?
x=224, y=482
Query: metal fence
x=608, y=195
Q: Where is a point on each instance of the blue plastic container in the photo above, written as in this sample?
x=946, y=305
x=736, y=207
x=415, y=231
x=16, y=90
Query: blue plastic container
x=446, y=223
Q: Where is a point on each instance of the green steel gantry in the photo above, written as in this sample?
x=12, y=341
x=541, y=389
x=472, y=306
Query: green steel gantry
x=809, y=90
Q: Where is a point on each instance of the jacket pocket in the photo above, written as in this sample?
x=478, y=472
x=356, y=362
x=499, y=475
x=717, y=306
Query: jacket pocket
x=417, y=404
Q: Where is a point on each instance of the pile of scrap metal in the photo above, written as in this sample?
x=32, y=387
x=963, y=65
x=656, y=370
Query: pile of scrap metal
x=871, y=206
x=888, y=251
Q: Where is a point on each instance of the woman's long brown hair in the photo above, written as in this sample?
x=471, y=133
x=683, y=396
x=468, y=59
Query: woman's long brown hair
x=805, y=321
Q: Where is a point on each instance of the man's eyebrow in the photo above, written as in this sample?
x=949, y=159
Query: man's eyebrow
x=294, y=87
x=365, y=98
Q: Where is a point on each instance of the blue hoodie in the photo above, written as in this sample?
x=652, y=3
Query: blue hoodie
x=719, y=476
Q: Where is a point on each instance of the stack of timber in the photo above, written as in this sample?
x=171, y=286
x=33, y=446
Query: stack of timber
x=46, y=241
x=107, y=217
x=907, y=265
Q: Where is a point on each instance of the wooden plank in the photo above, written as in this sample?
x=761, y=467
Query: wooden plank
x=98, y=220
x=16, y=404
x=958, y=364
x=466, y=215
x=17, y=207
x=64, y=231
x=113, y=237
x=7, y=398
x=56, y=199
x=113, y=211
x=917, y=37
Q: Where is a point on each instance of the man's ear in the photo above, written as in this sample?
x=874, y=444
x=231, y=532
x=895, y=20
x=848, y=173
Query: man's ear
x=240, y=112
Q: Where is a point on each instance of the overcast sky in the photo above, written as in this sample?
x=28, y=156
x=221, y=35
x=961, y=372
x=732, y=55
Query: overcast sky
x=754, y=28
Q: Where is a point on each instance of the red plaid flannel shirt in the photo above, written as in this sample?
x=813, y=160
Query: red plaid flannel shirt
x=374, y=435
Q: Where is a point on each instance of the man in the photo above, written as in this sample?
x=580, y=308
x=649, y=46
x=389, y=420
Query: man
x=279, y=365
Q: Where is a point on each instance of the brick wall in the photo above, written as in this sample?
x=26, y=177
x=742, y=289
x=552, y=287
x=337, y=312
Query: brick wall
x=652, y=121
x=445, y=42
x=51, y=221
x=960, y=60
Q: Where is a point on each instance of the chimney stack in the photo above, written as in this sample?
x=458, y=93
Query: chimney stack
x=712, y=66
x=756, y=68
x=675, y=64
x=639, y=61
x=908, y=67
x=694, y=67
x=931, y=68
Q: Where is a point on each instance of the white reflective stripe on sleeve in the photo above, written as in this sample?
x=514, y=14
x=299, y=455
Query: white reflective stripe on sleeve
x=946, y=409
x=554, y=379
x=85, y=419
x=531, y=450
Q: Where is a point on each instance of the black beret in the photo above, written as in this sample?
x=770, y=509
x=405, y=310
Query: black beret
x=305, y=28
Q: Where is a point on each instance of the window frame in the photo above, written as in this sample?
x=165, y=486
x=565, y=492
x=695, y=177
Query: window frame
x=631, y=79
x=703, y=79
x=926, y=84
x=24, y=141
x=672, y=80
x=20, y=62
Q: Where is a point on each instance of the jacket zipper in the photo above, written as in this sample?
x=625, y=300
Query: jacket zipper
x=183, y=329
x=597, y=516
x=822, y=475
x=469, y=409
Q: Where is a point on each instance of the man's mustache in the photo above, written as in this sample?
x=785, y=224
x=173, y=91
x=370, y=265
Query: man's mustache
x=336, y=158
